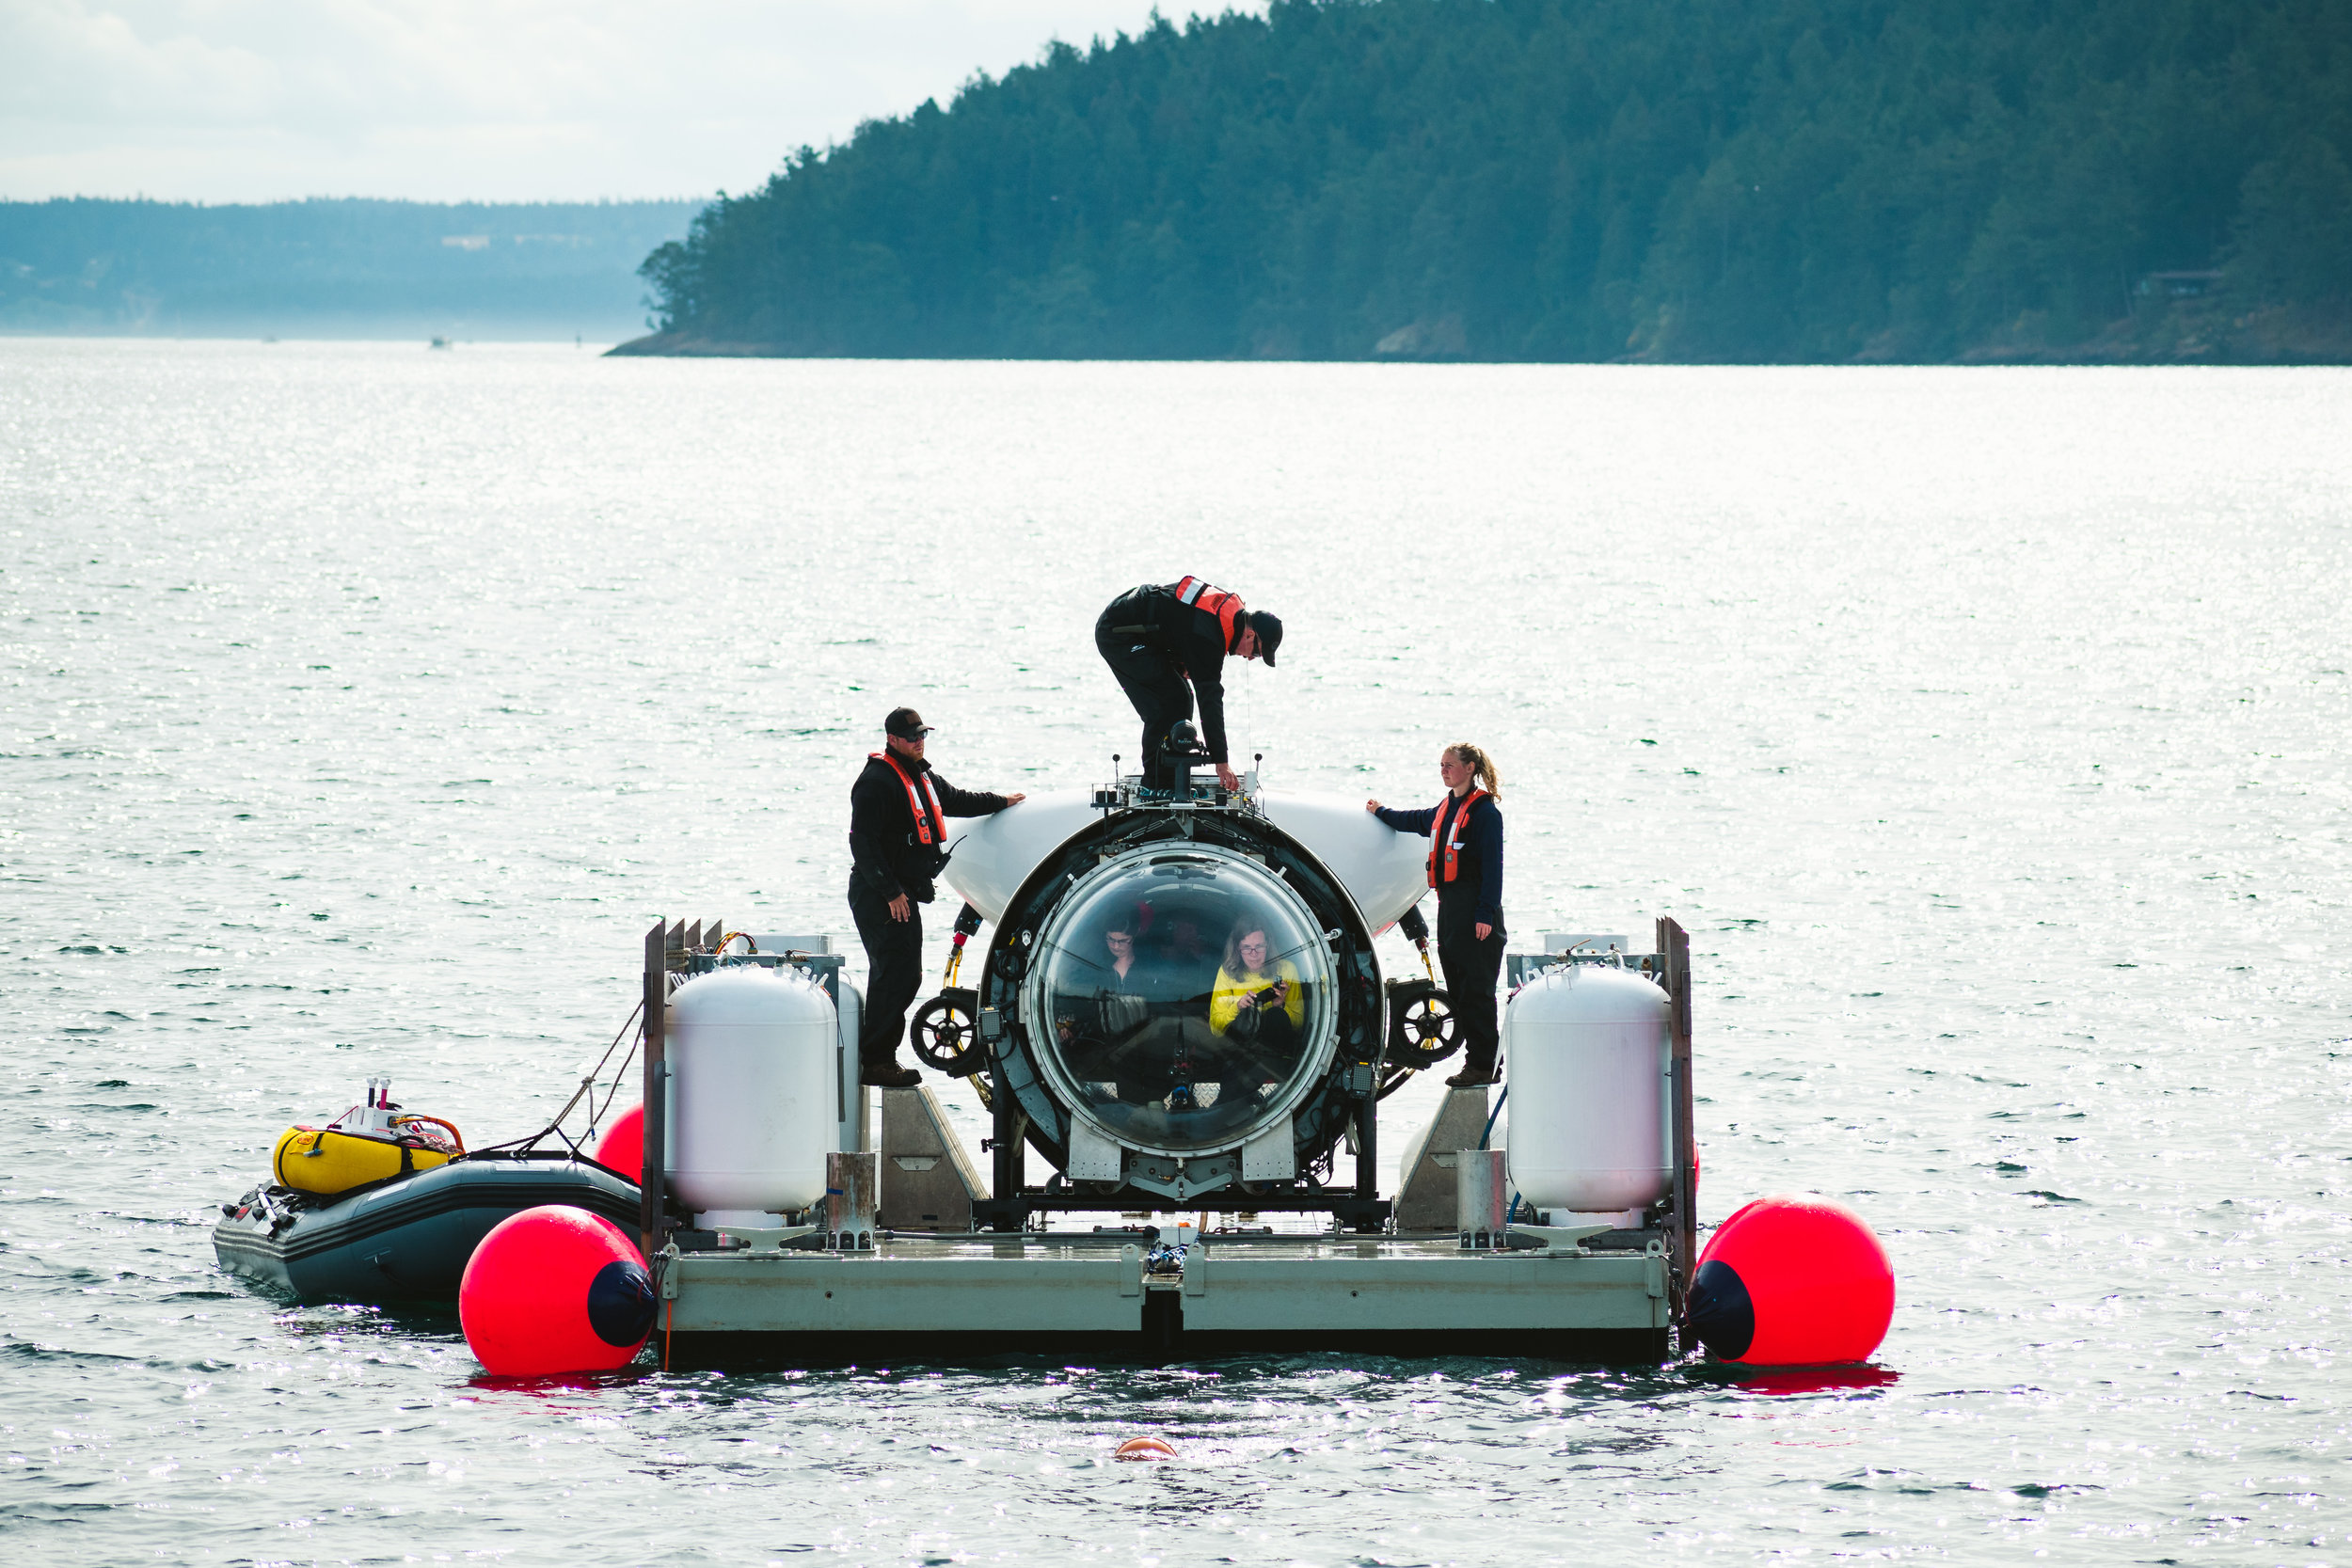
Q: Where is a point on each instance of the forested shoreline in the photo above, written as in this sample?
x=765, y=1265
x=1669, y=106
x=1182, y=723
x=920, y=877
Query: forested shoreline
x=1714, y=180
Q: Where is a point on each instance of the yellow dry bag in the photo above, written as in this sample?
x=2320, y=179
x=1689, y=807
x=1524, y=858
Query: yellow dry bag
x=329, y=1160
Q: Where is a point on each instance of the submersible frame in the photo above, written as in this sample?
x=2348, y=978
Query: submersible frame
x=1152, y=1291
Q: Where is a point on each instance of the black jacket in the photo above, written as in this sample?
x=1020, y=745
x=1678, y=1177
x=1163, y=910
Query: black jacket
x=1190, y=639
x=885, y=854
x=1474, y=897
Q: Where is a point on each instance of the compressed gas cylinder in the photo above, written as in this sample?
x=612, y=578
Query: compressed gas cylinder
x=1792, y=1280
x=751, y=1103
x=555, y=1290
x=1587, y=1049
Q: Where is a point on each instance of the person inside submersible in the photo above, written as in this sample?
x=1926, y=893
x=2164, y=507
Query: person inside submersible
x=1160, y=1041
x=899, y=811
x=1167, y=643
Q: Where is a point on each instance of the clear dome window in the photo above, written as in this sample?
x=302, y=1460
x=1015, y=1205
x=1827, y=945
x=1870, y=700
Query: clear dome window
x=1182, y=998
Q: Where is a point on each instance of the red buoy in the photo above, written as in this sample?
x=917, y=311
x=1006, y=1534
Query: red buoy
x=623, y=1146
x=555, y=1290
x=1792, y=1280
x=1145, y=1448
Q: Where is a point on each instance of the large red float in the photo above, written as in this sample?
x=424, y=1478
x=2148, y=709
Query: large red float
x=555, y=1290
x=623, y=1145
x=1792, y=1280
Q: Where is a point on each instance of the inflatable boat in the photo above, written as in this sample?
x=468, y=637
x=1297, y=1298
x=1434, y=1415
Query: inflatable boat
x=406, y=1238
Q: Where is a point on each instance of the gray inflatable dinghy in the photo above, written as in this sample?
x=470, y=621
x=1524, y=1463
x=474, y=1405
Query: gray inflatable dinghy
x=406, y=1240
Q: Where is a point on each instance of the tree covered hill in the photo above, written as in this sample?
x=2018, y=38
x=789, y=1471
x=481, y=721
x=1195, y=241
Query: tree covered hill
x=1578, y=180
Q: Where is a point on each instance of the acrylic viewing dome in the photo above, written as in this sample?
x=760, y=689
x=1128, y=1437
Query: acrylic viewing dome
x=1189, y=991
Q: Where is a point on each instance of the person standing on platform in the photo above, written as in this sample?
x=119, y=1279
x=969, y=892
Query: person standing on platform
x=899, y=811
x=1167, y=643
x=1464, y=831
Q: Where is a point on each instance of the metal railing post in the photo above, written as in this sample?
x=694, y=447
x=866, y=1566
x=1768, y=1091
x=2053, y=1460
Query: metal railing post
x=656, y=1155
x=1674, y=944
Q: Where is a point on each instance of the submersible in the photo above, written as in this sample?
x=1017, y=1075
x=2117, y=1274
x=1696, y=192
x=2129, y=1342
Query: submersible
x=1166, y=1174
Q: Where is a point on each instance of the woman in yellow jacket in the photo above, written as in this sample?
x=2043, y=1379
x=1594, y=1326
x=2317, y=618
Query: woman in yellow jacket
x=1264, y=998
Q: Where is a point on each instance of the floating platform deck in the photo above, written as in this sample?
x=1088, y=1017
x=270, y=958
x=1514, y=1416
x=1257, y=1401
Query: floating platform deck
x=934, y=1298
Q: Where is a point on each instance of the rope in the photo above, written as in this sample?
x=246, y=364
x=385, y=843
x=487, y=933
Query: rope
x=587, y=1084
x=596, y=1112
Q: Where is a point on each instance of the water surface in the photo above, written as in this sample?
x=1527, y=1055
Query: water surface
x=363, y=705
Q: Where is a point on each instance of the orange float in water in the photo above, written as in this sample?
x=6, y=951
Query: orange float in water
x=1145, y=1448
x=1792, y=1280
x=555, y=1290
x=623, y=1146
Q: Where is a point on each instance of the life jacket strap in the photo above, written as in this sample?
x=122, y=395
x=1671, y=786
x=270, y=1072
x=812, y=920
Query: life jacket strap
x=1197, y=593
x=1445, y=837
x=931, y=827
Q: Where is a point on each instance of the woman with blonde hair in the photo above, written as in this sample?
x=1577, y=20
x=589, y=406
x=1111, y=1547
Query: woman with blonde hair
x=1465, y=833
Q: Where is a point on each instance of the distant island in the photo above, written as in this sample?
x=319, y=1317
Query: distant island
x=1693, y=180
x=341, y=268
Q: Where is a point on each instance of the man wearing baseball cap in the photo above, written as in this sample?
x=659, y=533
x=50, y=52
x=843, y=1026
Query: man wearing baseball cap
x=899, y=811
x=1167, y=643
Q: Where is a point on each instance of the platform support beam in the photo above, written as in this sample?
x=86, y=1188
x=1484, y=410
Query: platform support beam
x=1008, y=1146
x=1368, y=1149
x=1673, y=945
x=656, y=1159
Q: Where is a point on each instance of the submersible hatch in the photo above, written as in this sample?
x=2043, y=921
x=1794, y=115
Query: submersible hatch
x=1138, y=1094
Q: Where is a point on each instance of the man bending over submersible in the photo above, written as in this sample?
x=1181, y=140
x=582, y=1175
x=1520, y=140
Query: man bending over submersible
x=1167, y=643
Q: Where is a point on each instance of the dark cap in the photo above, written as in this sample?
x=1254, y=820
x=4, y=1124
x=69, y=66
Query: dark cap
x=906, y=724
x=1268, y=627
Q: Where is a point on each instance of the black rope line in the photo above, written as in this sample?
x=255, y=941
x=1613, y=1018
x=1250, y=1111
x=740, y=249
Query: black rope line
x=587, y=1084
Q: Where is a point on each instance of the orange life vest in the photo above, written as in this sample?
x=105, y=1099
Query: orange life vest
x=930, y=825
x=1445, y=838
x=1226, y=606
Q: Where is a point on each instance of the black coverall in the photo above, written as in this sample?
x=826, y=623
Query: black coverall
x=887, y=858
x=1474, y=897
x=1153, y=644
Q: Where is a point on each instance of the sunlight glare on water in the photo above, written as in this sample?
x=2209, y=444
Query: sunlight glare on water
x=363, y=706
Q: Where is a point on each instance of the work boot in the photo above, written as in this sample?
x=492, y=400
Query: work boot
x=1473, y=1076
x=883, y=1072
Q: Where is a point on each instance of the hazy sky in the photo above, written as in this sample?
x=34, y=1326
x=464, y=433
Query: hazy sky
x=486, y=99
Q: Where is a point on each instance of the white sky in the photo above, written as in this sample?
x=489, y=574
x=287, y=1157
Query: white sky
x=481, y=100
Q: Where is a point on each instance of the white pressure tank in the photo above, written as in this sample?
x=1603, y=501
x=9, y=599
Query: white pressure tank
x=751, y=1095
x=1588, y=1052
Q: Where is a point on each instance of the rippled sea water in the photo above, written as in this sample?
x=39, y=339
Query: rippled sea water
x=360, y=707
